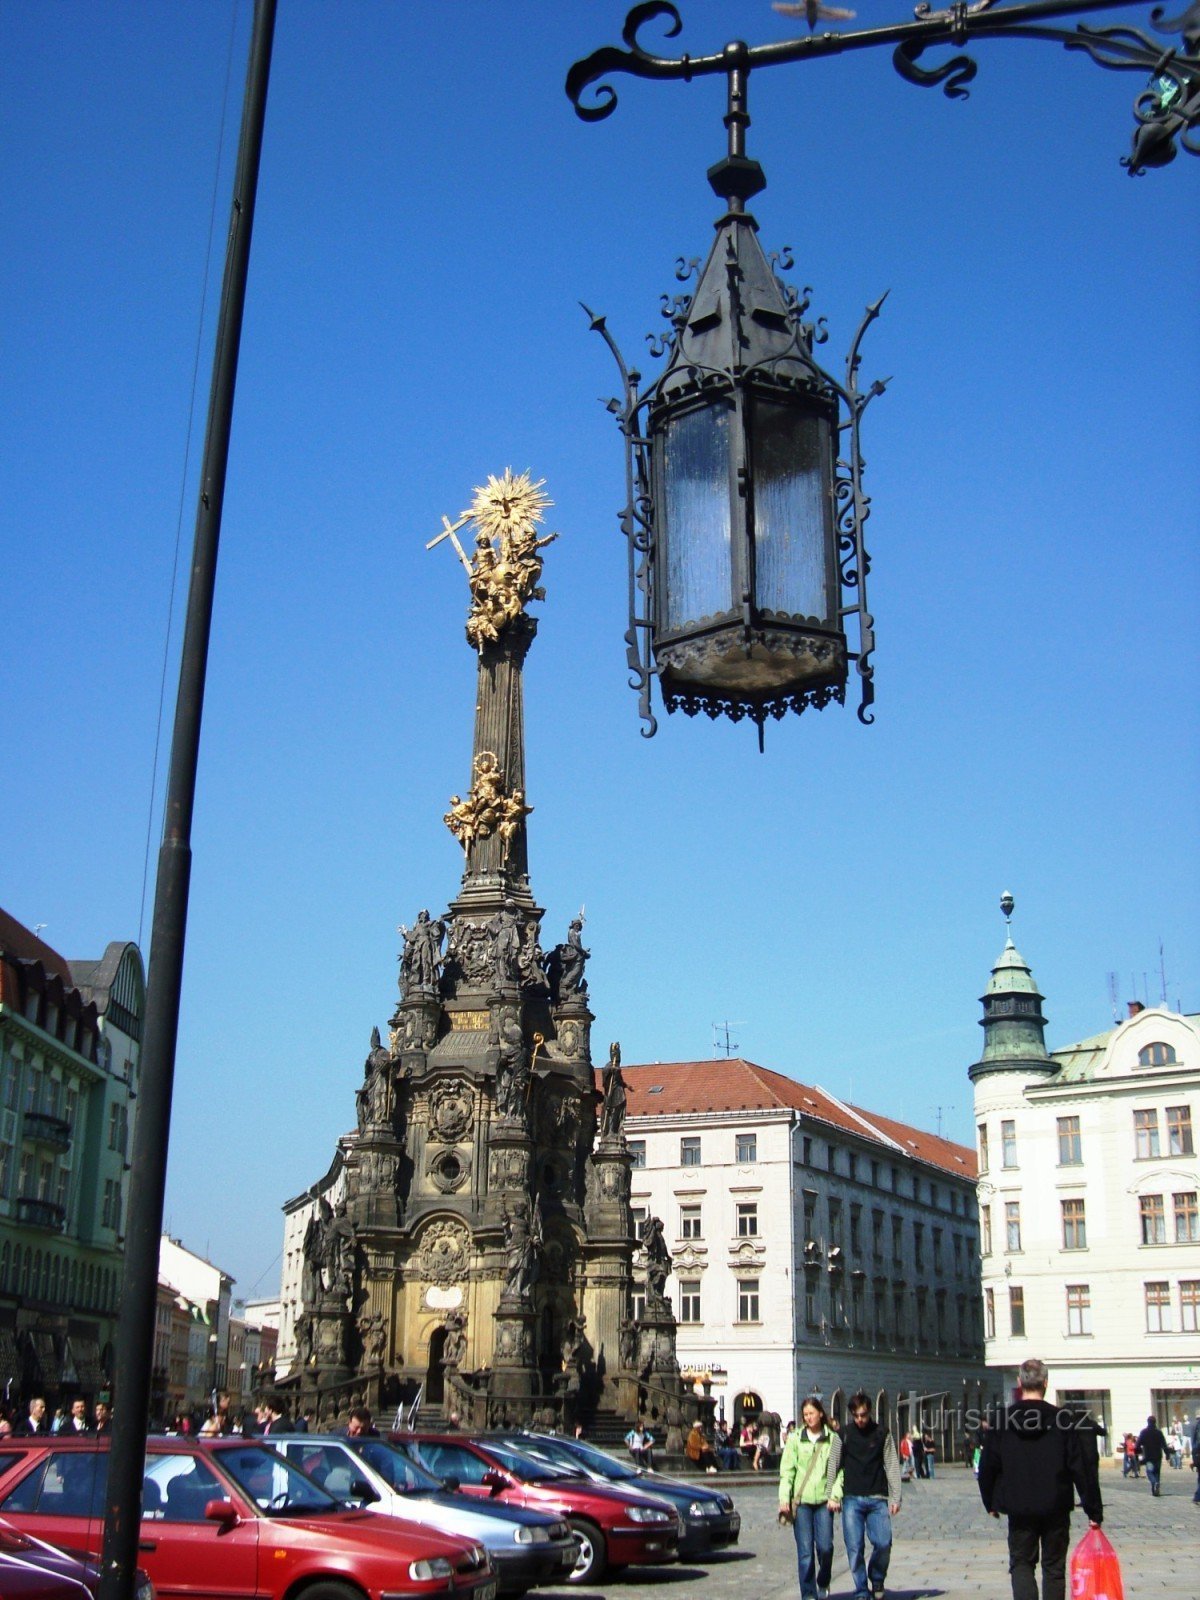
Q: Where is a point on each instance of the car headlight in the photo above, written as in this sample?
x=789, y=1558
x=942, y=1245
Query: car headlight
x=648, y=1514
x=704, y=1508
x=143, y=1588
x=532, y=1536
x=559, y=1530
x=426, y=1571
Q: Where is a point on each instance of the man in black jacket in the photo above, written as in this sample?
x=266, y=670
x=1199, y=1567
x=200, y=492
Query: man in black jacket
x=1152, y=1446
x=1031, y=1466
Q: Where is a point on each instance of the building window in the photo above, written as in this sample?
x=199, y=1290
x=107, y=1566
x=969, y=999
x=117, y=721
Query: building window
x=1156, y=1055
x=110, y=1216
x=1079, y=1309
x=1189, y=1305
x=689, y=1151
x=856, y=1229
x=117, y=1127
x=875, y=1173
x=806, y=1153
x=989, y=1313
x=937, y=1250
x=1158, y=1308
x=919, y=1246
x=1074, y=1225
x=639, y=1305
x=897, y=1246
x=811, y=1314
x=810, y=1215
x=1070, y=1147
x=898, y=1315
x=1154, y=1221
x=637, y=1152
x=747, y=1148
x=1179, y=1131
x=1187, y=1222
x=983, y=1147
x=689, y=1300
x=985, y=1230
x=689, y=1223
x=747, y=1219
x=1016, y=1312
x=835, y=1222
x=1008, y=1144
x=1012, y=1225
x=747, y=1300
x=1145, y=1134
x=638, y=1215
x=877, y=1234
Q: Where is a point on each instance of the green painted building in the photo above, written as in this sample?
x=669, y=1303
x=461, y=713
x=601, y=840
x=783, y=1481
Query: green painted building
x=70, y=1036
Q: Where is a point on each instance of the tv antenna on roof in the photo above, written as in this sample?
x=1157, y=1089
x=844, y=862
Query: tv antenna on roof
x=729, y=1046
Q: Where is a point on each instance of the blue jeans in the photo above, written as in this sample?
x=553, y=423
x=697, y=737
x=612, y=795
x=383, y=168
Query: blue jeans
x=1153, y=1472
x=813, y=1528
x=867, y=1517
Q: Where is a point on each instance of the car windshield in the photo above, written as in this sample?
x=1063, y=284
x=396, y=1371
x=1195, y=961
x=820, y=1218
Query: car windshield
x=564, y=1451
x=396, y=1469
x=528, y=1467
x=276, y=1487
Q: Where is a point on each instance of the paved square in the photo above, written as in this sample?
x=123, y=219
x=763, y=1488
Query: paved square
x=944, y=1545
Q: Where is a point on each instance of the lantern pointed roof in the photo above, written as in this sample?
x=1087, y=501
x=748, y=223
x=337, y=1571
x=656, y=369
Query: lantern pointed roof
x=1013, y=1023
x=741, y=315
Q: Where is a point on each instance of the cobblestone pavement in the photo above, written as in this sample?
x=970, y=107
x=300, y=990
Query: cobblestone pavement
x=944, y=1545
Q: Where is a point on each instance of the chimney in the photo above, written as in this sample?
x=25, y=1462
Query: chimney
x=1134, y=1007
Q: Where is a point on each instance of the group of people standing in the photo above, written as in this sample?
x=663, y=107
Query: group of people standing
x=73, y=1418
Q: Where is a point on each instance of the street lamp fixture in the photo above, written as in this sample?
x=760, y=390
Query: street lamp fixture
x=745, y=509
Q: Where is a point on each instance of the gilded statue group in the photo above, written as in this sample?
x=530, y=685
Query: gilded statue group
x=488, y=809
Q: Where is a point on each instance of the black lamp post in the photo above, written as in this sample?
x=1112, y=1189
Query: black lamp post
x=745, y=508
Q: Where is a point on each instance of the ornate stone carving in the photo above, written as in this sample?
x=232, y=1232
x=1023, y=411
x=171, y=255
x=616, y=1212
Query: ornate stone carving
x=421, y=959
x=523, y=1241
x=508, y=1057
x=449, y=1170
x=489, y=808
x=569, y=1039
x=612, y=1111
x=469, y=950
x=373, y=1100
x=444, y=1251
x=451, y=1110
x=506, y=945
x=565, y=964
x=658, y=1262
x=330, y=1254
x=627, y=1343
x=454, y=1351
x=614, y=1180
x=372, y=1330
x=508, y=1169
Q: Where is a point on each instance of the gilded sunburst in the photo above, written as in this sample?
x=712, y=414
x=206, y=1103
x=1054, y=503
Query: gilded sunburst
x=509, y=506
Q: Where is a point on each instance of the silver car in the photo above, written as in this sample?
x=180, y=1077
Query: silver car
x=529, y=1548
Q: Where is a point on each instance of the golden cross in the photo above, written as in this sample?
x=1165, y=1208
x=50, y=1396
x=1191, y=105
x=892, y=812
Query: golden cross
x=450, y=531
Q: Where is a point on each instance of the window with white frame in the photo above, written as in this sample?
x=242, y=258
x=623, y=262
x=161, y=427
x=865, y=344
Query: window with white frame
x=637, y=1152
x=1012, y=1225
x=1079, y=1309
x=985, y=1230
x=746, y=1148
x=1016, y=1312
x=1187, y=1220
x=989, y=1313
x=690, y=1226
x=689, y=1151
x=1074, y=1224
x=1157, y=1054
x=983, y=1147
x=1145, y=1134
x=689, y=1299
x=747, y=1300
x=1189, y=1305
x=747, y=1219
x=1158, y=1307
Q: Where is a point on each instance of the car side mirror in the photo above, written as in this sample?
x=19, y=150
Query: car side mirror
x=223, y=1511
x=360, y=1489
x=494, y=1480
x=451, y=1483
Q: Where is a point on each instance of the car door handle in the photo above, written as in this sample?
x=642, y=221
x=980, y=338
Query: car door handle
x=147, y=1544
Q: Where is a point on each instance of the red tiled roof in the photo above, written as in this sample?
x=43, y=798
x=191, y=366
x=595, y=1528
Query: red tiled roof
x=691, y=1088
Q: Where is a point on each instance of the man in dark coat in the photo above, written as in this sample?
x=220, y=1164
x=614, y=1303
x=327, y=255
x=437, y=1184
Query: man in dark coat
x=1031, y=1466
x=1152, y=1446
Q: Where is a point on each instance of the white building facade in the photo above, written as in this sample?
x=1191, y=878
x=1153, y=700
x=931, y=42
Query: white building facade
x=1088, y=1196
x=816, y=1247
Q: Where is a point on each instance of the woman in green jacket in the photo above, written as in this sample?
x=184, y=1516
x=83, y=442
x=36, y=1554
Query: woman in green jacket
x=806, y=1486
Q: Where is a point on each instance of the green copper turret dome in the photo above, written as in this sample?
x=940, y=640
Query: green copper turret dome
x=1013, y=1023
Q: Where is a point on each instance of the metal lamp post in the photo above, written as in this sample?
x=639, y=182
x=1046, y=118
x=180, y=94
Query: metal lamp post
x=744, y=509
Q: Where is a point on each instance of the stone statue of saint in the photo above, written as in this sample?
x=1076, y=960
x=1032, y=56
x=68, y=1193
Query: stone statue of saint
x=522, y=1244
x=421, y=960
x=658, y=1259
x=371, y=1099
x=627, y=1343
x=454, y=1351
x=565, y=964
x=612, y=1111
x=506, y=936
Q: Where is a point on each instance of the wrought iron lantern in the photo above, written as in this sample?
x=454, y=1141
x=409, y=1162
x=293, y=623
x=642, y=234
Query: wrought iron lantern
x=745, y=514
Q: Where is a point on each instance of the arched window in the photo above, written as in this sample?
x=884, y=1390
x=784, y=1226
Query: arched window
x=74, y=1283
x=4, y=1267
x=882, y=1409
x=1157, y=1054
x=54, y=1280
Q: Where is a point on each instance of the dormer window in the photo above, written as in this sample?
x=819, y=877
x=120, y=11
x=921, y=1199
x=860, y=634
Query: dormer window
x=1157, y=1054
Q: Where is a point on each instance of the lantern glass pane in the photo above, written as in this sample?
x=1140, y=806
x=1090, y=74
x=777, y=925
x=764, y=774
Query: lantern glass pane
x=696, y=493
x=793, y=543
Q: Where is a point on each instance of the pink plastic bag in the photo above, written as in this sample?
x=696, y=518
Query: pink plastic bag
x=1095, y=1570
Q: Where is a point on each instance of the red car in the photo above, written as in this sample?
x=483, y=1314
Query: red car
x=31, y=1570
x=230, y=1519
x=615, y=1527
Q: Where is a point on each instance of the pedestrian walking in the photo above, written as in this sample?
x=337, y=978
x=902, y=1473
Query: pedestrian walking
x=1129, y=1462
x=906, y=1458
x=918, y=1453
x=929, y=1443
x=868, y=1496
x=807, y=1491
x=1032, y=1465
x=1152, y=1446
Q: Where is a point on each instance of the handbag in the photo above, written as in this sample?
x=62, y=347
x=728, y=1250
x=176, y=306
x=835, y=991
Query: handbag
x=1095, y=1569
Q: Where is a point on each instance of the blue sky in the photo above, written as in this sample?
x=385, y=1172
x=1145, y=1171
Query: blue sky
x=430, y=213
